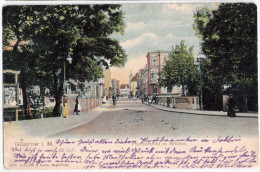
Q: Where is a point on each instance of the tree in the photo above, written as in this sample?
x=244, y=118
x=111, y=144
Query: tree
x=82, y=31
x=229, y=40
x=18, y=54
x=180, y=70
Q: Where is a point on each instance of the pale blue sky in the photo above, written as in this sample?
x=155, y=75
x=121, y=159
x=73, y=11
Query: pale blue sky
x=152, y=27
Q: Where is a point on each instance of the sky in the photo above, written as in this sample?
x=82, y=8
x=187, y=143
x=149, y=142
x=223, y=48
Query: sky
x=152, y=27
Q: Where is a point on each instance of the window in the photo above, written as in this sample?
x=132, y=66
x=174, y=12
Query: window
x=153, y=76
x=154, y=62
x=154, y=89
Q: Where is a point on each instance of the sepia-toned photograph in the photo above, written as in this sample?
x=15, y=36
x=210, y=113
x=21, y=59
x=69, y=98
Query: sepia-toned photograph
x=118, y=86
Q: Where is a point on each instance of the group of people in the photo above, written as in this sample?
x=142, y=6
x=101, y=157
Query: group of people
x=149, y=99
x=65, y=107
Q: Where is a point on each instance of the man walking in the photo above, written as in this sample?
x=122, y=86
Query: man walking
x=114, y=100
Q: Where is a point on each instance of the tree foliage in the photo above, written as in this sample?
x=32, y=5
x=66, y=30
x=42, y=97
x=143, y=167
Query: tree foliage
x=229, y=40
x=180, y=70
x=44, y=36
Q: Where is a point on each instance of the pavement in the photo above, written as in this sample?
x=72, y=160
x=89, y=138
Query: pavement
x=46, y=127
x=203, y=112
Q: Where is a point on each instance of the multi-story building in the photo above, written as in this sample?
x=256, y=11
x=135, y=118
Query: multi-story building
x=117, y=87
x=144, y=83
x=107, y=82
x=139, y=84
x=134, y=85
x=130, y=84
x=113, y=88
x=155, y=63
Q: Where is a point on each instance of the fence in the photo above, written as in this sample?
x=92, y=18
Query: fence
x=191, y=102
x=9, y=114
x=85, y=104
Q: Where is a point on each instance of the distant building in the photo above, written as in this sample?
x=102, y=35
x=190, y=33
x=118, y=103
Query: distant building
x=138, y=88
x=108, y=83
x=113, y=88
x=117, y=87
x=124, y=90
x=155, y=63
x=134, y=85
x=143, y=83
x=130, y=85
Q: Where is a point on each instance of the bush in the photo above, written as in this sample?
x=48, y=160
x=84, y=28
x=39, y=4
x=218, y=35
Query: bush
x=46, y=113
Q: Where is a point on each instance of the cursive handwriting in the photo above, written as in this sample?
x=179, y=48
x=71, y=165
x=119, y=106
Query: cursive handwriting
x=143, y=153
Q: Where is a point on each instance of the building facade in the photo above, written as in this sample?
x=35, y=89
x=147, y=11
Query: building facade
x=139, y=83
x=134, y=85
x=108, y=84
x=130, y=84
x=114, y=87
x=124, y=90
x=148, y=80
x=155, y=62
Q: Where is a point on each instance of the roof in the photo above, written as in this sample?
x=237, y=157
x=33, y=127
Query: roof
x=123, y=86
x=159, y=52
x=135, y=78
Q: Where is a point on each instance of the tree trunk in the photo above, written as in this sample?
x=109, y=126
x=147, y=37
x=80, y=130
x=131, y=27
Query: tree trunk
x=58, y=96
x=182, y=90
x=26, y=101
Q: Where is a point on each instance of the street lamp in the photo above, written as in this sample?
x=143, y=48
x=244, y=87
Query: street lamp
x=199, y=59
x=69, y=59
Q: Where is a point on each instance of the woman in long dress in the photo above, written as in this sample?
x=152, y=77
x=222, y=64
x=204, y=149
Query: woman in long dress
x=65, y=107
x=76, y=109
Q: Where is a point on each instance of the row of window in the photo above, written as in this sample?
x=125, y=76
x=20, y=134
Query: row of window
x=154, y=61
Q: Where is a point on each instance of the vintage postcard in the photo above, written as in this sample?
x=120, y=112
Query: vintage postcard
x=116, y=86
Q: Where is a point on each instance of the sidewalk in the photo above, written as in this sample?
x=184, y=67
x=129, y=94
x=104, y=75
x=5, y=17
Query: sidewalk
x=49, y=126
x=203, y=112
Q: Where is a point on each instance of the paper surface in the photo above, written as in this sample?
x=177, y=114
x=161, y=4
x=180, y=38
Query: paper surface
x=134, y=135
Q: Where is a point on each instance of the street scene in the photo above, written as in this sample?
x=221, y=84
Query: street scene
x=80, y=71
x=133, y=119
x=111, y=71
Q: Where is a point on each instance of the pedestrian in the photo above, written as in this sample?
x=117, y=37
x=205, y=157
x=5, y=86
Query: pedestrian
x=76, y=109
x=231, y=106
x=65, y=106
x=150, y=99
x=156, y=99
x=114, y=100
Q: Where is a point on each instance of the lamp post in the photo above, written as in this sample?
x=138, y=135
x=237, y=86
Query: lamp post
x=199, y=59
x=69, y=59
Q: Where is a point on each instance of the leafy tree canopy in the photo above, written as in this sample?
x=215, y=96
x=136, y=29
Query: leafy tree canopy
x=45, y=35
x=180, y=69
x=229, y=39
x=38, y=39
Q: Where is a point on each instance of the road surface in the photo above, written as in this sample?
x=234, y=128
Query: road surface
x=133, y=119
